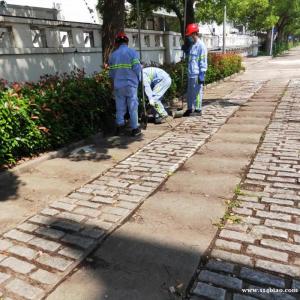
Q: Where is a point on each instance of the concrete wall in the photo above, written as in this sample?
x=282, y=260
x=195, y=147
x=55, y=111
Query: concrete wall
x=31, y=47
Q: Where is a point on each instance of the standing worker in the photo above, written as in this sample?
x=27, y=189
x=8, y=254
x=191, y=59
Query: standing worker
x=156, y=83
x=197, y=67
x=125, y=70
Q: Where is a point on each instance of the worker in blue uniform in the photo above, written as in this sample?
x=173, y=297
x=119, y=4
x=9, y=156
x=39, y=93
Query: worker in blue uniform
x=197, y=67
x=156, y=83
x=125, y=70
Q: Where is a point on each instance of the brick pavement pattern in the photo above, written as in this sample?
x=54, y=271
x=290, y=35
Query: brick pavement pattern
x=42, y=251
x=263, y=251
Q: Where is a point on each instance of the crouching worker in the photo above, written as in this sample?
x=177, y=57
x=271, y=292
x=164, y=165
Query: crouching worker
x=156, y=82
x=125, y=70
x=197, y=67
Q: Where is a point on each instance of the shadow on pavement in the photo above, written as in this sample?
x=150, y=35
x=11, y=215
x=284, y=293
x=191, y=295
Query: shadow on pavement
x=9, y=185
x=123, y=267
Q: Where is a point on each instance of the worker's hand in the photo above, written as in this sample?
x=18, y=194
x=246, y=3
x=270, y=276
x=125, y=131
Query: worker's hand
x=201, y=77
x=106, y=67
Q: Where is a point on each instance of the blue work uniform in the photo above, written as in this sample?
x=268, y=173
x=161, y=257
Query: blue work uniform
x=156, y=82
x=197, y=67
x=125, y=70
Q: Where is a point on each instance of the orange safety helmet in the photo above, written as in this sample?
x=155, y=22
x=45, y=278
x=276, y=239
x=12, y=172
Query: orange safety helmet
x=121, y=37
x=191, y=28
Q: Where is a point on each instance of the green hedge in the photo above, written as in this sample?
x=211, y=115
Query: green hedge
x=60, y=109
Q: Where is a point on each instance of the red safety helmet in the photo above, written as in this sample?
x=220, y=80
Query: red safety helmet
x=121, y=38
x=191, y=28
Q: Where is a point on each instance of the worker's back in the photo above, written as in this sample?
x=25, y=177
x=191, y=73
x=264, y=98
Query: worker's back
x=124, y=67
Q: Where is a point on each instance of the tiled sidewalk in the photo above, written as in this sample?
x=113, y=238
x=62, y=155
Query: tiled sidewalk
x=41, y=252
x=262, y=253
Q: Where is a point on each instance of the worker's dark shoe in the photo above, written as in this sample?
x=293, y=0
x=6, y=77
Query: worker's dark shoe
x=187, y=113
x=196, y=113
x=120, y=130
x=136, y=132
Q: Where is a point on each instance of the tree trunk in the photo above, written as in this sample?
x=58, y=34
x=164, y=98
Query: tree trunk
x=190, y=13
x=113, y=22
x=268, y=41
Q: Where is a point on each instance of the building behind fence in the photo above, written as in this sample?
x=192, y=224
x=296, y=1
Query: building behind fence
x=33, y=42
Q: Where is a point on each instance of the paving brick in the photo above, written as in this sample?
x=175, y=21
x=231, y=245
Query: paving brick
x=45, y=277
x=44, y=244
x=279, y=268
x=278, y=201
x=130, y=198
x=211, y=292
x=297, y=238
x=90, y=212
x=5, y=244
x=50, y=232
x=242, y=227
x=140, y=188
x=256, y=176
x=243, y=211
x=283, y=225
x=104, y=200
x=17, y=265
x=54, y=262
x=262, y=278
x=71, y=252
x=41, y=220
x=80, y=196
x=100, y=224
x=222, y=266
x=289, y=210
x=232, y=257
x=104, y=193
x=82, y=242
x=88, y=204
x=3, y=277
x=264, y=252
x=71, y=216
x=116, y=211
x=65, y=225
x=27, y=227
x=261, y=230
x=220, y=280
x=24, y=289
x=234, y=235
x=18, y=235
x=228, y=245
x=110, y=218
x=118, y=183
x=281, y=179
x=283, y=246
x=50, y=212
x=63, y=205
x=272, y=215
x=93, y=233
x=23, y=252
x=127, y=205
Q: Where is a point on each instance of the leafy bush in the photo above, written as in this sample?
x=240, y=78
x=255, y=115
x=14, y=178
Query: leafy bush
x=53, y=112
x=219, y=66
x=59, y=109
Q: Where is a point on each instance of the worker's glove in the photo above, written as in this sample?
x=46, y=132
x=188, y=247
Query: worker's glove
x=201, y=77
x=151, y=102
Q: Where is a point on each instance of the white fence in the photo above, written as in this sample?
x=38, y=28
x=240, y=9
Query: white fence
x=31, y=47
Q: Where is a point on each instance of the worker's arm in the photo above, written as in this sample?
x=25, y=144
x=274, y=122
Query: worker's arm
x=136, y=65
x=202, y=60
x=147, y=87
